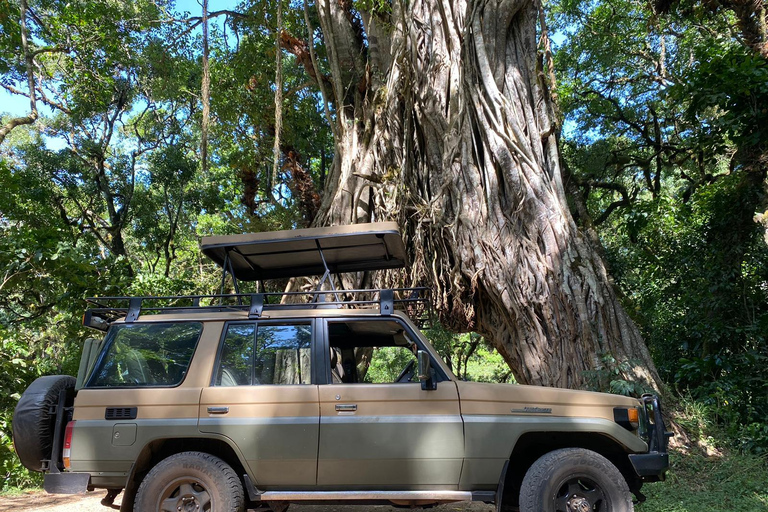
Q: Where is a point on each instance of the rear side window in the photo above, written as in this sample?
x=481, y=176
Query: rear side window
x=146, y=355
x=265, y=354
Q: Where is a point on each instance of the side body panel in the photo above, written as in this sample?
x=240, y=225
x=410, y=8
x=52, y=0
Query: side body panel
x=398, y=437
x=275, y=428
x=496, y=416
x=107, y=448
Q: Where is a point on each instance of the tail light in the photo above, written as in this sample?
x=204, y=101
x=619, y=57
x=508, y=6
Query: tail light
x=65, y=453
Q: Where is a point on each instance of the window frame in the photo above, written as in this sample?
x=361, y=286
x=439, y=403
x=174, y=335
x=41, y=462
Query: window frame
x=107, y=344
x=313, y=356
x=437, y=367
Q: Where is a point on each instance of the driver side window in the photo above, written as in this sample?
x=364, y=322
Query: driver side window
x=371, y=352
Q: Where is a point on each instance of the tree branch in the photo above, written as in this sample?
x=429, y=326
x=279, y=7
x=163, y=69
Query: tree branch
x=615, y=187
x=30, y=63
x=303, y=53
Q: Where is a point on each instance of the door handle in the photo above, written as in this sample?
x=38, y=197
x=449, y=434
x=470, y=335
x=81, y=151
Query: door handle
x=218, y=410
x=346, y=407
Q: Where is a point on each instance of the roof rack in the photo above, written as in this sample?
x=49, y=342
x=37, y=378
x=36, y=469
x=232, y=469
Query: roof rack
x=282, y=254
x=108, y=309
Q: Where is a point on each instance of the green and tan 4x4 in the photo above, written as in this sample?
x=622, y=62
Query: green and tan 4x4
x=218, y=403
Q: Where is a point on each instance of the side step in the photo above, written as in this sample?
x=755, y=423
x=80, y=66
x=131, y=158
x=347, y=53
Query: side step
x=487, y=496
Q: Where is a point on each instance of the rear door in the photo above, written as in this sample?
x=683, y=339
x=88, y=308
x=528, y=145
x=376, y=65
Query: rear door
x=264, y=398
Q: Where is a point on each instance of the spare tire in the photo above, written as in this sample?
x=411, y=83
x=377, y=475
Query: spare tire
x=34, y=419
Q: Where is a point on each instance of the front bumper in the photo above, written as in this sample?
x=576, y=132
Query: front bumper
x=652, y=466
x=649, y=465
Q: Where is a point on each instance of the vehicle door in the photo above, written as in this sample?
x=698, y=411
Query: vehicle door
x=264, y=398
x=378, y=428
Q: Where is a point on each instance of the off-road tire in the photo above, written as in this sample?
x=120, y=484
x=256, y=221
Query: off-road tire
x=188, y=479
x=34, y=419
x=585, y=478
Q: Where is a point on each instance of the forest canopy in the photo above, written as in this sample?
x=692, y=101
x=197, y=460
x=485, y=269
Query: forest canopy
x=129, y=130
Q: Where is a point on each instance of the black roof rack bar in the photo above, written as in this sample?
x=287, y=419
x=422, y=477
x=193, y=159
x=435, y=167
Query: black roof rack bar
x=257, y=305
x=226, y=268
x=386, y=302
x=256, y=302
x=134, y=308
x=326, y=276
x=94, y=300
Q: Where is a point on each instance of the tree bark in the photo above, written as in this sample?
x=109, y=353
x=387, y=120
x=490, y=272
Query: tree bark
x=444, y=122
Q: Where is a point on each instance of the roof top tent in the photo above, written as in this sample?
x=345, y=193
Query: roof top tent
x=307, y=252
x=281, y=254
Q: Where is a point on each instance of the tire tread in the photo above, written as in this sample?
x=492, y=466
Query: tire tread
x=231, y=480
x=542, y=469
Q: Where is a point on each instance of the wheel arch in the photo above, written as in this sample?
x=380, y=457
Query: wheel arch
x=159, y=449
x=533, y=445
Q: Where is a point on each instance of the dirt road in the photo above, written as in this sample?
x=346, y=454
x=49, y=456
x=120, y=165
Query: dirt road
x=42, y=502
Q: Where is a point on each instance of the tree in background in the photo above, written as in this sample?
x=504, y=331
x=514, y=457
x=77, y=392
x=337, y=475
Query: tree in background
x=665, y=146
x=444, y=122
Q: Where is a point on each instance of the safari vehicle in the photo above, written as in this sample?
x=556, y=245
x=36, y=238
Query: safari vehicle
x=223, y=402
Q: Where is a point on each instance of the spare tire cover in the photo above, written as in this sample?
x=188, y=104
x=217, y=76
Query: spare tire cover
x=33, y=423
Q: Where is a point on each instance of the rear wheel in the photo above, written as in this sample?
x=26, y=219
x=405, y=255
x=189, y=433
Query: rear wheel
x=574, y=480
x=190, y=482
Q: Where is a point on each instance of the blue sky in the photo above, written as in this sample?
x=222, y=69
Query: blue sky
x=19, y=105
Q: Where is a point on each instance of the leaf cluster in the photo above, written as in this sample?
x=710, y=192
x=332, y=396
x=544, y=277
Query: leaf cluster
x=665, y=144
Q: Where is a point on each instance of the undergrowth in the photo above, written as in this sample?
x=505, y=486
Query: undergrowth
x=711, y=471
x=731, y=482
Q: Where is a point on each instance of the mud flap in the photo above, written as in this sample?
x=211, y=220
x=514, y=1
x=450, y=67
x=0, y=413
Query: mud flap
x=66, y=483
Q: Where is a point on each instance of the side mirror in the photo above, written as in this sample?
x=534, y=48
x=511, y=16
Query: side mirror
x=426, y=375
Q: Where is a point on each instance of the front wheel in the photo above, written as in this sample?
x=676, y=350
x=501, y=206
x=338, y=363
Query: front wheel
x=190, y=482
x=574, y=480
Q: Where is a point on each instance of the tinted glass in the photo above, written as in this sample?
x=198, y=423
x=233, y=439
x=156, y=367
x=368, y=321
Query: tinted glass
x=150, y=354
x=236, y=367
x=281, y=355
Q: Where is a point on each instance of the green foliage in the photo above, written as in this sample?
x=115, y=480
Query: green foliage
x=728, y=483
x=696, y=277
x=665, y=140
x=16, y=373
x=707, y=474
x=607, y=377
x=469, y=355
x=387, y=363
x=725, y=94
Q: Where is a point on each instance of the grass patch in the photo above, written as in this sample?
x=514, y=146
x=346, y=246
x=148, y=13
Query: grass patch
x=11, y=492
x=728, y=483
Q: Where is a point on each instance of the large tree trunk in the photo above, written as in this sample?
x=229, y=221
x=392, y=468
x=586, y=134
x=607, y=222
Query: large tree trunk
x=444, y=123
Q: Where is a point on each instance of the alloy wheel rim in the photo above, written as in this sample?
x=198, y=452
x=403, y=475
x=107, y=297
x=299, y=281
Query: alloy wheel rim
x=580, y=494
x=185, y=495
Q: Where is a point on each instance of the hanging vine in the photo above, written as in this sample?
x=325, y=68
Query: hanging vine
x=205, y=93
x=278, y=94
